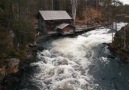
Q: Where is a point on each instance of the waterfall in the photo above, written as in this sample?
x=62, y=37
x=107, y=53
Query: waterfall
x=79, y=63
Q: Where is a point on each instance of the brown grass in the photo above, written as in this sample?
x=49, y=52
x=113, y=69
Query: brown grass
x=90, y=16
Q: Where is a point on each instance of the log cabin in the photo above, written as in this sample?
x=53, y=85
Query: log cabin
x=55, y=22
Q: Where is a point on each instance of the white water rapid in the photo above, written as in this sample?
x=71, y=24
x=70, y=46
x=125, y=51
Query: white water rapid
x=79, y=63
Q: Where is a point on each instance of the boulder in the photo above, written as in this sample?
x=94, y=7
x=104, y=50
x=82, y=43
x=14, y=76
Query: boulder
x=121, y=38
x=13, y=62
x=10, y=66
x=120, y=43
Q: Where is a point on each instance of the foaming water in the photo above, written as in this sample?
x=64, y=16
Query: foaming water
x=79, y=63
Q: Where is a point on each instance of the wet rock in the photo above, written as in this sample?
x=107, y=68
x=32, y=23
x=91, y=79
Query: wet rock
x=9, y=66
x=120, y=44
x=64, y=62
x=12, y=66
x=121, y=39
x=13, y=62
x=8, y=74
x=38, y=48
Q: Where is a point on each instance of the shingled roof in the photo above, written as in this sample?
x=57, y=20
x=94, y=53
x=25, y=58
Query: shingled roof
x=54, y=15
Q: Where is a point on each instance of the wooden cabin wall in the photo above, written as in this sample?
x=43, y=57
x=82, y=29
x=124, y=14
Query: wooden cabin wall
x=42, y=25
x=49, y=25
x=52, y=24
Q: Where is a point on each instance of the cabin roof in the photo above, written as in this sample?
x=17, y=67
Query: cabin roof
x=54, y=15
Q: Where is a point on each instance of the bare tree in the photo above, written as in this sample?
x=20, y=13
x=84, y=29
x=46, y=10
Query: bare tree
x=74, y=9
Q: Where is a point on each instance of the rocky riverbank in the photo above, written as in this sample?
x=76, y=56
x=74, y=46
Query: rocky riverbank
x=12, y=70
x=8, y=73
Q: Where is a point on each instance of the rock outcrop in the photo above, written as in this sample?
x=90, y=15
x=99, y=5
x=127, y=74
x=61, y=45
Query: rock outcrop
x=12, y=70
x=120, y=43
x=8, y=69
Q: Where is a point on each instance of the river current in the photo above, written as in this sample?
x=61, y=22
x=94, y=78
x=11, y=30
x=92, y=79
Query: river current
x=83, y=62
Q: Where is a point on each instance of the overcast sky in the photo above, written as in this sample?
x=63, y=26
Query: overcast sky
x=125, y=1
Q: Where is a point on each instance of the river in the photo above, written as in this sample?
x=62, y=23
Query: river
x=83, y=62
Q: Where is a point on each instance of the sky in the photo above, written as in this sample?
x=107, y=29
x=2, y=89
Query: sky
x=125, y=1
